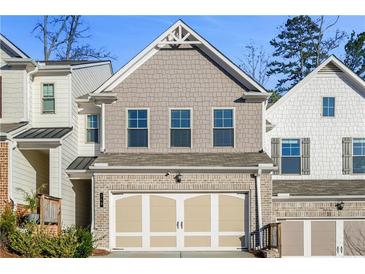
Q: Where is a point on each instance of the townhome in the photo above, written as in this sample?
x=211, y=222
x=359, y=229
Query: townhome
x=43, y=130
x=316, y=137
x=182, y=166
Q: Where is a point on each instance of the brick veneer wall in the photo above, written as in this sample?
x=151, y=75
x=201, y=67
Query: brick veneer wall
x=4, y=157
x=190, y=182
x=316, y=209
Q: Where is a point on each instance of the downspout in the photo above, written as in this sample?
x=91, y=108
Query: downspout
x=102, y=148
x=259, y=208
x=30, y=78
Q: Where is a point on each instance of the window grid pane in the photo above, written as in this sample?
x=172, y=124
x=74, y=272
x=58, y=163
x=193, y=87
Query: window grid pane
x=137, y=118
x=92, y=121
x=290, y=147
x=180, y=118
x=223, y=118
x=329, y=106
x=48, y=90
x=48, y=105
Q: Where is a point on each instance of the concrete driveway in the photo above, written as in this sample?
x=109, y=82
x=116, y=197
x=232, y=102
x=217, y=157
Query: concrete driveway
x=183, y=254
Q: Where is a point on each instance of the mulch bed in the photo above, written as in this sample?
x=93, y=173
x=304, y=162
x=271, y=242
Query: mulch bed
x=5, y=254
x=100, y=252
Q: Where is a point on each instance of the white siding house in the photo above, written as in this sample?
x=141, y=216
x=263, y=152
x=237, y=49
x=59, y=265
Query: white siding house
x=299, y=114
x=45, y=140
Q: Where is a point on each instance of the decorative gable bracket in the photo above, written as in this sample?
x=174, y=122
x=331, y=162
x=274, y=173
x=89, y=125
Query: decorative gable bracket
x=179, y=36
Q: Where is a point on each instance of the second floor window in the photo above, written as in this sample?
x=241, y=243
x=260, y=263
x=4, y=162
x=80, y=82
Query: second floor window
x=92, y=129
x=223, y=128
x=137, y=128
x=290, y=156
x=180, y=131
x=358, y=154
x=328, y=107
x=48, y=99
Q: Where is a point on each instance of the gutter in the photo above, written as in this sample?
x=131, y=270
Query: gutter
x=286, y=197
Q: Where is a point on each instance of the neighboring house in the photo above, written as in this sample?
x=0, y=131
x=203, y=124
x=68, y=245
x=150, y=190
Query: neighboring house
x=316, y=137
x=43, y=130
x=182, y=166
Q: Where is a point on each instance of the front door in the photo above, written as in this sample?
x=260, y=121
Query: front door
x=203, y=221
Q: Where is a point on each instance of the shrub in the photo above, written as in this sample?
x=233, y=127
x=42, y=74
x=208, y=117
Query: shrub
x=86, y=243
x=26, y=242
x=33, y=242
x=8, y=221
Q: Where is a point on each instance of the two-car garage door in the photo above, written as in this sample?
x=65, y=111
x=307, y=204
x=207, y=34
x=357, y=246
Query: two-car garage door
x=323, y=237
x=203, y=221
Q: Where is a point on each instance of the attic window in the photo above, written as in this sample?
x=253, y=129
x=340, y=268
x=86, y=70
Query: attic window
x=328, y=106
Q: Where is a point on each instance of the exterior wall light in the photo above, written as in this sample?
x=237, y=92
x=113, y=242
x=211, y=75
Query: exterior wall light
x=340, y=205
x=178, y=178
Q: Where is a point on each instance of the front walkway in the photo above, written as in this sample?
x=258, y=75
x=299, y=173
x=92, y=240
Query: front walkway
x=177, y=254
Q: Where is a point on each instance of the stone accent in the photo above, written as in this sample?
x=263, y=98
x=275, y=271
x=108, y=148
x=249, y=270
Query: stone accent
x=190, y=183
x=182, y=77
x=315, y=209
x=4, y=174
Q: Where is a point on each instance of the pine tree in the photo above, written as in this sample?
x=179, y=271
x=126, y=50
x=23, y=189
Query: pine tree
x=355, y=53
x=300, y=47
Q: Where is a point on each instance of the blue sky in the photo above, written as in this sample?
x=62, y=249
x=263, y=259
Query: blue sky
x=125, y=36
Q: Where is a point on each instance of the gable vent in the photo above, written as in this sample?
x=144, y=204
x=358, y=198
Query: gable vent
x=330, y=68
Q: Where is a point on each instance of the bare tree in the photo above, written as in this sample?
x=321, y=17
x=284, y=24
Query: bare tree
x=324, y=46
x=256, y=63
x=64, y=38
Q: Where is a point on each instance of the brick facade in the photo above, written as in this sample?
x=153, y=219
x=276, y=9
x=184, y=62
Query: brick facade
x=317, y=209
x=243, y=182
x=4, y=173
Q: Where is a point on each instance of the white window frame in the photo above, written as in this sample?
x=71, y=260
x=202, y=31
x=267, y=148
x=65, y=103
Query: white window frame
x=191, y=127
x=87, y=127
x=127, y=127
x=281, y=156
x=234, y=127
x=54, y=97
x=334, y=108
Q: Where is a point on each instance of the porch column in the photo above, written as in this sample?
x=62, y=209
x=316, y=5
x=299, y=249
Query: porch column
x=55, y=174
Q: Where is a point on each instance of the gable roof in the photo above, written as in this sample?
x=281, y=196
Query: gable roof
x=11, y=46
x=333, y=64
x=180, y=33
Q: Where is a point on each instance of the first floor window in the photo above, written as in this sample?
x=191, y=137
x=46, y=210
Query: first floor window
x=48, y=99
x=137, y=128
x=92, y=128
x=180, y=131
x=223, y=129
x=290, y=156
x=358, y=155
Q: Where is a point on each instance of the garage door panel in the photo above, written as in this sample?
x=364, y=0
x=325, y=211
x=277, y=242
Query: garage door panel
x=292, y=238
x=197, y=241
x=163, y=241
x=354, y=238
x=323, y=240
x=128, y=214
x=231, y=213
x=128, y=241
x=232, y=241
x=197, y=214
x=162, y=214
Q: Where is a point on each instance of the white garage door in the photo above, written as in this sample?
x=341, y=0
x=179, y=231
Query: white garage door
x=179, y=221
x=325, y=237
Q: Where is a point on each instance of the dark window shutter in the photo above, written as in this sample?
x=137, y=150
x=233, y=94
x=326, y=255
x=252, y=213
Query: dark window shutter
x=305, y=156
x=346, y=155
x=275, y=153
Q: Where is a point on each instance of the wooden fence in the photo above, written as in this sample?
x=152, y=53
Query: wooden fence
x=50, y=211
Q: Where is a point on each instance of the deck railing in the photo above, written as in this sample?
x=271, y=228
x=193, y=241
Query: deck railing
x=50, y=210
x=270, y=235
